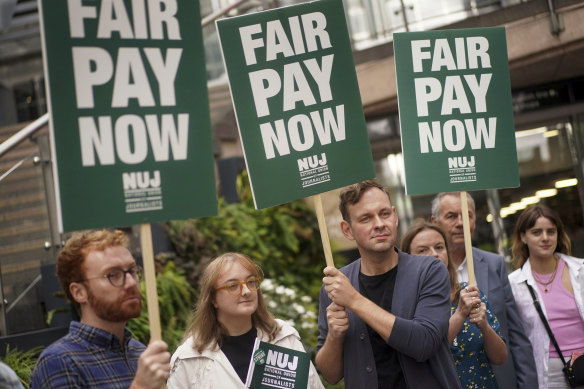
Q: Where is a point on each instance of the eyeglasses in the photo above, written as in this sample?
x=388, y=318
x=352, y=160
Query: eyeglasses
x=234, y=288
x=117, y=277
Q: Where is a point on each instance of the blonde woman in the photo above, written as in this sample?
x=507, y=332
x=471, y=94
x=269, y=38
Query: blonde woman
x=230, y=314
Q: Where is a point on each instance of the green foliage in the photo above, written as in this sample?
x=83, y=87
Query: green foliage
x=22, y=362
x=175, y=296
x=289, y=304
x=284, y=240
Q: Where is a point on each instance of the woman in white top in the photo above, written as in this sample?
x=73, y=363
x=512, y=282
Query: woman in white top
x=230, y=314
x=541, y=252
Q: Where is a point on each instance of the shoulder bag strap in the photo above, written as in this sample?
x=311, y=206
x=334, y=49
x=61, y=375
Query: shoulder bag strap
x=545, y=322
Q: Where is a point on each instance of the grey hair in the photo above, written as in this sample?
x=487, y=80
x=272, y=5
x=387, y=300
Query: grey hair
x=439, y=196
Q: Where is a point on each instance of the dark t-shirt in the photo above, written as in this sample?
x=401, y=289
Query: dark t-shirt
x=238, y=350
x=379, y=289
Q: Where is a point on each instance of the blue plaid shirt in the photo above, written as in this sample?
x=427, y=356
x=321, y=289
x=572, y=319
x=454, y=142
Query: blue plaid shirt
x=87, y=357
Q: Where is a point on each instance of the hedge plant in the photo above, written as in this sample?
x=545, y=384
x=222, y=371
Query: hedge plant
x=175, y=298
x=284, y=240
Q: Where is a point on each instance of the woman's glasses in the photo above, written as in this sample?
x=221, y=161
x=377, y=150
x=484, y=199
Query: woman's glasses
x=234, y=288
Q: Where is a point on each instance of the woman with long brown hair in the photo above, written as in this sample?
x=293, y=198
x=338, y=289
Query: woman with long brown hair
x=229, y=315
x=473, y=330
x=541, y=252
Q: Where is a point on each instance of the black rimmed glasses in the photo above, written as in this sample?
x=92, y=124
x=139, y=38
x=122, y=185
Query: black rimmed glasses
x=235, y=287
x=117, y=277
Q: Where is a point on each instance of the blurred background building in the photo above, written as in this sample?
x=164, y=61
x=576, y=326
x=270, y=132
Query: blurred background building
x=545, y=40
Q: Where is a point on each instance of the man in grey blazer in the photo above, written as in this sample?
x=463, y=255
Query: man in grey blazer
x=383, y=319
x=491, y=276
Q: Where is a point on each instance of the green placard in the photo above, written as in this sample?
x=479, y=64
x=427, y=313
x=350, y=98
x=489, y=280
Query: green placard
x=129, y=111
x=277, y=367
x=297, y=100
x=455, y=109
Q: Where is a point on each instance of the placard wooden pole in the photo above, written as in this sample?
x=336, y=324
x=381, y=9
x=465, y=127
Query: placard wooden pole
x=150, y=280
x=326, y=244
x=467, y=238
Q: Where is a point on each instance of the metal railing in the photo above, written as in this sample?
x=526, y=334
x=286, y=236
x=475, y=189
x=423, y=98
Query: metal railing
x=23, y=134
x=27, y=232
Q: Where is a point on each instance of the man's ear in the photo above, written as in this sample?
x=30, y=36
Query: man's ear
x=78, y=291
x=346, y=229
x=433, y=219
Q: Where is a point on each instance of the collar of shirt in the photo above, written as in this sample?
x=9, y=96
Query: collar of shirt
x=462, y=271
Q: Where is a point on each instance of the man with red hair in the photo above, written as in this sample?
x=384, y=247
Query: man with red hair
x=101, y=280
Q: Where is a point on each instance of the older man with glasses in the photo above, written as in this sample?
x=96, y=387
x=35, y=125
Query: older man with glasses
x=101, y=280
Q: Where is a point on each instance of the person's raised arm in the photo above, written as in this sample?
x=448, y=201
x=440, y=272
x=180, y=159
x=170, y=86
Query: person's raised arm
x=340, y=291
x=153, y=367
x=469, y=297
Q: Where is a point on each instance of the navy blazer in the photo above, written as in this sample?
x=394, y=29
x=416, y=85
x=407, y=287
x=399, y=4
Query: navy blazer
x=492, y=279
x=421, y=303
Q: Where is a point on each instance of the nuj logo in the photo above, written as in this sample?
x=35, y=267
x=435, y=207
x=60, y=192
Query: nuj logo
x=312, y=162
x=141, y=180
x=459, y=162
x=281, y=360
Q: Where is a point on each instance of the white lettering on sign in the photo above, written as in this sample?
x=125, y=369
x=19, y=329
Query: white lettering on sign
x=468, y=52
x=298, y=132
x=141, y=180
x=296, y=85
x=93, y=67
x=114, y=17
x=281, y=360
x=266, y=83
x=453, y=94
x=429, y=89
x=132, y=135
x=311, y=162
x=453, y=134
x=128, y=74
x=461, y=162
x=275, y=41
